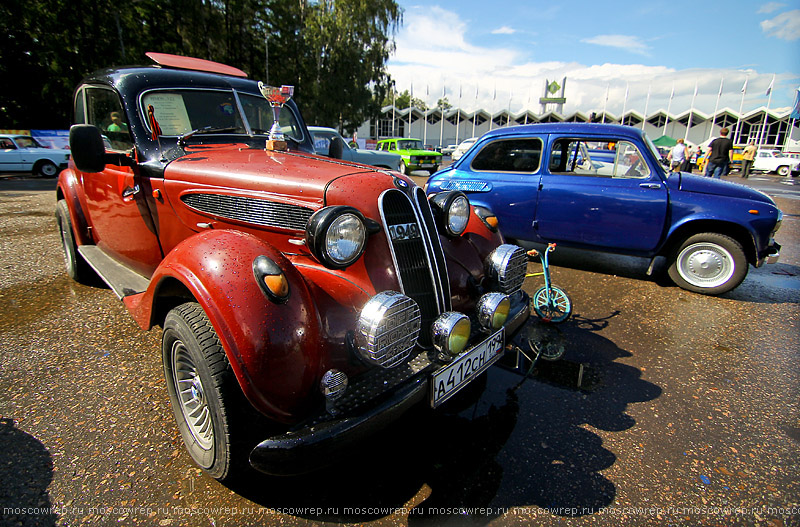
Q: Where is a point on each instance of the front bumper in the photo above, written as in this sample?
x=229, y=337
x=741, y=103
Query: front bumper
x=372, y=403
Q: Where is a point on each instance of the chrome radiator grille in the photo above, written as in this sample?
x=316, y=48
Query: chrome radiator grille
x=417, y=254
x=251, y=210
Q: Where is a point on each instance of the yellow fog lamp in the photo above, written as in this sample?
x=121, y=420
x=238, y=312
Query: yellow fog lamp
x=271, y=280
x=450, y=333
x=493, y=310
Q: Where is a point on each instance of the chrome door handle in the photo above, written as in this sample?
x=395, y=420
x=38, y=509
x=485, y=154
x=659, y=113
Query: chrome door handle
x=130, y=191
x=650, y=185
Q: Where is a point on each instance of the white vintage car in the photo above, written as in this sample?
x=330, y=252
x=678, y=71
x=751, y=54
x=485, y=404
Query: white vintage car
x=322, y=142
x=22, y=153
x=775, y=161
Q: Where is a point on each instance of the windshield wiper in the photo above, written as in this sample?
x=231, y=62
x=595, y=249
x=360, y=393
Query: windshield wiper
x=205, y=130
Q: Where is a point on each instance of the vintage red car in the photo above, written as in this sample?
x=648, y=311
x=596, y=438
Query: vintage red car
x=320, y=297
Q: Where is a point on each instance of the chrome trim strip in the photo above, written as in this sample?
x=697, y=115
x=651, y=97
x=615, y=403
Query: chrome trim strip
x=433, y=245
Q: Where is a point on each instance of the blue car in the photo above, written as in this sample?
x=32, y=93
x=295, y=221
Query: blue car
x=547, y=183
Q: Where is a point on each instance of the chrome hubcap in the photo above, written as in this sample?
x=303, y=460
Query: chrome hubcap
x=192, y=396
x=705, y=265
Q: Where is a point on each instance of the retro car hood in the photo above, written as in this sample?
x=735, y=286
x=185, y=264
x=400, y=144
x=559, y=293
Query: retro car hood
x=690, y=183
x=299, y=175
x=417, y=152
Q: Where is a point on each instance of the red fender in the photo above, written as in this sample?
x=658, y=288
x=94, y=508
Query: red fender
x=71, y=189
x=274, y=350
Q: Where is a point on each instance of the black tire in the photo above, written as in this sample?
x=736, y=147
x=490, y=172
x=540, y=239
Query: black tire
x=77, y=268
x=46, y=169
x=194, y=359
x=709, y=263
x=783, y=171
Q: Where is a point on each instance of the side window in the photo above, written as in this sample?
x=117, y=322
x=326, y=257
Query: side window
x=510, y=155
x=579, y=157
x=104, y=110
x=6, y=144
x=80, y=116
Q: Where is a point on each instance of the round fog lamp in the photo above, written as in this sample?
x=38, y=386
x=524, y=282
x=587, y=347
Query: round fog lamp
x=450, y=333
x=493, y=310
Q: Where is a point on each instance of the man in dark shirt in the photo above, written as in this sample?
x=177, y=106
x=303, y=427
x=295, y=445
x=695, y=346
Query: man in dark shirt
x=720, y=155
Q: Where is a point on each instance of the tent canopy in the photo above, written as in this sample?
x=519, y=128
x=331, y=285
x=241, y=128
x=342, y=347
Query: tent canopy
x=665, y=140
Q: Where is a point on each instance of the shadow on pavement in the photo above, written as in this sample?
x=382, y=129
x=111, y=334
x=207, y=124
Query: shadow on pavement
x=25, y=473
x=512, y=444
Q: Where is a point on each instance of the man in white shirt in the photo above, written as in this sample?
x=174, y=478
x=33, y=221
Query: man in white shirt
x=677, y=155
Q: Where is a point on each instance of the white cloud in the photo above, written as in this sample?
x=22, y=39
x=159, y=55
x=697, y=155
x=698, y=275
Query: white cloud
x=626, y=42
x=505, y=30
x=785, y=26
x=434, y=53
x=770, y=7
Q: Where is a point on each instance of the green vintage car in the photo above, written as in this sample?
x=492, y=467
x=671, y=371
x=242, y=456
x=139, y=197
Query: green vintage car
x=414, y=155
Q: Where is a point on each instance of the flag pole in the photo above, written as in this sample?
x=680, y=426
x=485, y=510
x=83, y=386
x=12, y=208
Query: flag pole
x=766, y=113
x=441, y=122
x=738, y=134
x=646, y=104
x=605, y=105
x=625, y=103
x=716, y=107
x=473, y=115
x=691, y=114
x=669, y=106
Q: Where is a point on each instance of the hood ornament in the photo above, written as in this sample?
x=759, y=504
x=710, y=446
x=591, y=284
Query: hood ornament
x=277, y=97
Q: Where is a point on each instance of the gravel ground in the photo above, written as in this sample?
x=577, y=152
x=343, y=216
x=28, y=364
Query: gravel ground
x=687, y=414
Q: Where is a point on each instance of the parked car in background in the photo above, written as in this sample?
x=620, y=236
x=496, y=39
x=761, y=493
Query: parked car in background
x=775, y=161
x=305, y=301
x=22, y=153
x=462, y=148
x=448, y=150
x=543, y=186
x=415, y=156
x=322, y=142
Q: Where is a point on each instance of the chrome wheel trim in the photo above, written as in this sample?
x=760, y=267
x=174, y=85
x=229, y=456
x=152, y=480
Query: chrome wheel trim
x=189, y=388
x=705, y=264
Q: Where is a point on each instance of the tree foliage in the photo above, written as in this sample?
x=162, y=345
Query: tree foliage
x=333, y=51
x=403, y=100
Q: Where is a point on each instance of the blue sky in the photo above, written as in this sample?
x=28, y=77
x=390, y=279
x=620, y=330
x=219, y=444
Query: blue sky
x=510, y=48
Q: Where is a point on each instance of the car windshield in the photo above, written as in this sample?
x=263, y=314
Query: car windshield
x=27, y=142
x=180, y=111
x=653, y=150
x=409, y=144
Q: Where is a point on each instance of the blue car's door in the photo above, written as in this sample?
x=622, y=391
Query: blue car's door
x=619, y=205
x=503, y=175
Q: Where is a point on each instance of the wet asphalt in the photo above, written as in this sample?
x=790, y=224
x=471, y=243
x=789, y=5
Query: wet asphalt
x=687, y=412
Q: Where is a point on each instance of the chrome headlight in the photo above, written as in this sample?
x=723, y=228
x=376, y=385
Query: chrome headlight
x=452, y=209
x=337, y=236
x=493, y=310
x=387, y=329
x=505, y=268
x=450, y=333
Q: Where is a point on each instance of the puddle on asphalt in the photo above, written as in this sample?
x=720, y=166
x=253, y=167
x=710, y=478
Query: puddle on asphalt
x=547, y=340
x=31, y=302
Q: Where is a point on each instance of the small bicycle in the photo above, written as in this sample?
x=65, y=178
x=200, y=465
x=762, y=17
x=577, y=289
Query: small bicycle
x=550, y=302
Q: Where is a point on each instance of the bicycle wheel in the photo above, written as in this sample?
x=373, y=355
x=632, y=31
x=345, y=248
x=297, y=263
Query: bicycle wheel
x=557, y=310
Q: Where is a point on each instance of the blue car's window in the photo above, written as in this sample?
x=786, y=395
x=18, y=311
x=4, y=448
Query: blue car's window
x=509, y=155
x=579, y=157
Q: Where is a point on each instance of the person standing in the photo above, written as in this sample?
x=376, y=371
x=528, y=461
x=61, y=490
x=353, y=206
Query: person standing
x=719, y=157
x=677, y=156
x=748, y=155
x=687, y=163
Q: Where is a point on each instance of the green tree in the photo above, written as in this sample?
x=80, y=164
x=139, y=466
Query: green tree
x=333, y=51
x=443, y=104
x=403, y=100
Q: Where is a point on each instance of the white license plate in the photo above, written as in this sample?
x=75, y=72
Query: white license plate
x=450, y=379
x=426, y=165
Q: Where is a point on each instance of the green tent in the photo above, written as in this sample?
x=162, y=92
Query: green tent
x=665, y=140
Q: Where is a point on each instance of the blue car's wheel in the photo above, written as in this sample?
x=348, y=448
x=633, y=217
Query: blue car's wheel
x=708, y=263
x=558, y=310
